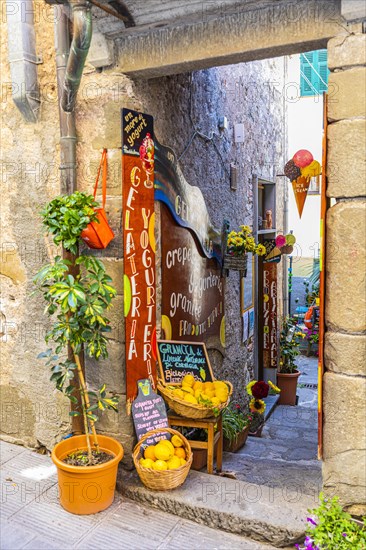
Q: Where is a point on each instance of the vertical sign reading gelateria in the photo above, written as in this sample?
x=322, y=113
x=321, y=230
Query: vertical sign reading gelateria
x=139, y=249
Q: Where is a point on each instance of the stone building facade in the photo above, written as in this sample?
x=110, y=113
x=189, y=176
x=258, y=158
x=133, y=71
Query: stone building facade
x=32, y=413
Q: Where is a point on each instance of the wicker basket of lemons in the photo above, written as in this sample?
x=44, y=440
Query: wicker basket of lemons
x=196, y=399
x=164, y=465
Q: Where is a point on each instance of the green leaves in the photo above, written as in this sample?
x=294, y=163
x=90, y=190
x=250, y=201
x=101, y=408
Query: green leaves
x=65, y=218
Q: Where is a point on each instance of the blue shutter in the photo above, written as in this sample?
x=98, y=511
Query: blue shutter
x=313, y=73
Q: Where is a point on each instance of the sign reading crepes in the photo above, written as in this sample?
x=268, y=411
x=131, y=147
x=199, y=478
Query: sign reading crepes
x=139, y=249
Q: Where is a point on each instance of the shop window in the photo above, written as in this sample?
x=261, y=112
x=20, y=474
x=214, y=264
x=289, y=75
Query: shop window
x=313, y=73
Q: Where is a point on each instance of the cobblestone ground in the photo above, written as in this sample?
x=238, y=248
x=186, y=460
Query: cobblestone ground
x=31, y=517
x=286, y=454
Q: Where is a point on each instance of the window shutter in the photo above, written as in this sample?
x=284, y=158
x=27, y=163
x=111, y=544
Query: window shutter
x=313, y=73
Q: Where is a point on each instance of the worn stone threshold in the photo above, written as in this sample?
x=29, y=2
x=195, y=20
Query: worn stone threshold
x=274, y=515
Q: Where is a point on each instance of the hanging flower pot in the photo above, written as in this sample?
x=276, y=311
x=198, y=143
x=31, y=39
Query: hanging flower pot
x=236, y=263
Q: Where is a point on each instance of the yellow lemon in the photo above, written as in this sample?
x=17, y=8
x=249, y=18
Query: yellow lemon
x=188, y=380
x=168, y=444
x=204, y=397
x=146, y=462
x=180, y=452
x=198, y=385
x=183, y=462
x=215, y=401
x=187, y=389
x=177, y=441
x=190, y=399
x=160, y=465
x=208, y=386
x=179, y=393
x=162, y=452
x=222, y=395
x=150, y=452
x=197, y=393
x=210, y=393
x=219, y=384
x=174, y=463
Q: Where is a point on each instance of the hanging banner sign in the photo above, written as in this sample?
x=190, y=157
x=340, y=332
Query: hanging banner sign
x=270, y=327
x=139, y=249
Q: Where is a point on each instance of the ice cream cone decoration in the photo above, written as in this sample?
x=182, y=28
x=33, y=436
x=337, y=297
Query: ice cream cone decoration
x=300, y=169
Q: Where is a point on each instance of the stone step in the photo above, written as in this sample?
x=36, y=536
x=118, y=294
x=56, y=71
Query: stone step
x=275, y=515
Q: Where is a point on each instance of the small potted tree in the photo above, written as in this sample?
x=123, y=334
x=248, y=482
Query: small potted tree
x=76, y=304
x=288, y=373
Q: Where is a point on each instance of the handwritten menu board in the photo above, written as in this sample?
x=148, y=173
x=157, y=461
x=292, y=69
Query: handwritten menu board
x=176, y=359
x=149, y=413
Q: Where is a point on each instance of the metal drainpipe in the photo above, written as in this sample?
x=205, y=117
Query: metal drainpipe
x=82, y=34
x=22, y=56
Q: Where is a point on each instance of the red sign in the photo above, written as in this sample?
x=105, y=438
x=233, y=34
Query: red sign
x=139, y=251
x=270, y=328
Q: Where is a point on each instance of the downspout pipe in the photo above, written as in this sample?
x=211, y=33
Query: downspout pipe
x=82, y=34
x=23, y=58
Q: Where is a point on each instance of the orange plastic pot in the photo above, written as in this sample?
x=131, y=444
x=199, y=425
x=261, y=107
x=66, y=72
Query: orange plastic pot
x=287, y=382
x=86, y=489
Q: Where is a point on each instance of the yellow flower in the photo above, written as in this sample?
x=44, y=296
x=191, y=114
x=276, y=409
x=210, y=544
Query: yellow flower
x=273, y=386
x=260, y=250
x=245, y=228
x=249, y=387
x=232, y=234
x=257, y=406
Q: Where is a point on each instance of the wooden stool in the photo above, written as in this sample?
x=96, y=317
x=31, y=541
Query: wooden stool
x=207, y=424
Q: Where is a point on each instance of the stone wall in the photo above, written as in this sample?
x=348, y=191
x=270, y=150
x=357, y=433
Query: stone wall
x=344, y=402
x=32, y=413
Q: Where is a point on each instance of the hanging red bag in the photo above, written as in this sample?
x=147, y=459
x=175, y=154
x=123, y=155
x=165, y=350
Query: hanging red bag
x=99, y=235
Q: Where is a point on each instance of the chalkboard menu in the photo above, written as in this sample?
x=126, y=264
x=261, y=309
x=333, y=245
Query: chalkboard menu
x=149, y=413
x=176, y=359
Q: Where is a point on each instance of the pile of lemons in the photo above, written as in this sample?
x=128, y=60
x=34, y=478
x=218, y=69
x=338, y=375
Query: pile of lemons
x=165, y=455
x=209, y=394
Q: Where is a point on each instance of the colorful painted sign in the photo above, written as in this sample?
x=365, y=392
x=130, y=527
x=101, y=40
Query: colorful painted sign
x=139, y=249
x=193, y=288
x=176, y=359
x=270, y=326
x=300, y=169
x=149, y=413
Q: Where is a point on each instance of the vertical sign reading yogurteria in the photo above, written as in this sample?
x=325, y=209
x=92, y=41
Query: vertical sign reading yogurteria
x=139, y=249
x=270, y=335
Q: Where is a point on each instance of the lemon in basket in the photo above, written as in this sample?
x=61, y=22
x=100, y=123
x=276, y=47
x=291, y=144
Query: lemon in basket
x=188, y=380
x=146, y=462
x=222, y=395
x=216, y=401
x=180, y=452
x=150, y=452
x=174, y=463
x=183, y=462
x=197, y=393
x=160, y=465
x=179, y=393
x=219, y=384
x=168, y=444
x=190, y=399
x=187, y=389
x=163, y=452
x=177, y=441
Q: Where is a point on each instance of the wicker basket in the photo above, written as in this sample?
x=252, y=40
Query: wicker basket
x=236, y=263
x=166, y=479
x=191, y=410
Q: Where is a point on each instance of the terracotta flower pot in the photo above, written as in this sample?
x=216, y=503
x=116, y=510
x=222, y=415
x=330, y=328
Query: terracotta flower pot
x=86, y=489
x=258, y=431
x=237, y=443
x=287, y=382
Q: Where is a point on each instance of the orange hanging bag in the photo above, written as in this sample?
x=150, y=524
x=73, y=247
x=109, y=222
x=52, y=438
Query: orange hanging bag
x=98, y=234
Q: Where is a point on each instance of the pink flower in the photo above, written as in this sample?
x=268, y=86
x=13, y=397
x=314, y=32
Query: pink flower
x=280, y=241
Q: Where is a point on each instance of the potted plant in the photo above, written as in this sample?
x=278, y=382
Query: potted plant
x=288, y=373
x=76, y=304
x=238, y=244
x=258, y=391
x=235, y=427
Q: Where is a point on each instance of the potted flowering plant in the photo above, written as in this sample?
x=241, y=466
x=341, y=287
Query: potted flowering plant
x=239, y=243
x=258, y=391
x=288, y=373
x=77, y=294
x=235, y=426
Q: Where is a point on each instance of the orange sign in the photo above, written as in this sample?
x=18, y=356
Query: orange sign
x=300, y=187
x=139, y=252
x=270, y=331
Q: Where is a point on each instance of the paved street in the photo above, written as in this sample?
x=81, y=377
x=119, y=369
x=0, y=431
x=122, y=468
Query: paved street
x=31, y=517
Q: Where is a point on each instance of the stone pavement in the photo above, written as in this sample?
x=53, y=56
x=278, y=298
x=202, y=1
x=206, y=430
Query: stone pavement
x=31, y=517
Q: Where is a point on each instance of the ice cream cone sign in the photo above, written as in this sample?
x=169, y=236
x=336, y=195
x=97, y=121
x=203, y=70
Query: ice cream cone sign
x=300, y=169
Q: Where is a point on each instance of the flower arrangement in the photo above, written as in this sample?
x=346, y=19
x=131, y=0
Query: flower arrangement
x=234, y=420
x=330, y=527
x=258, y=390
x=289, y=345
x=242, y=241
